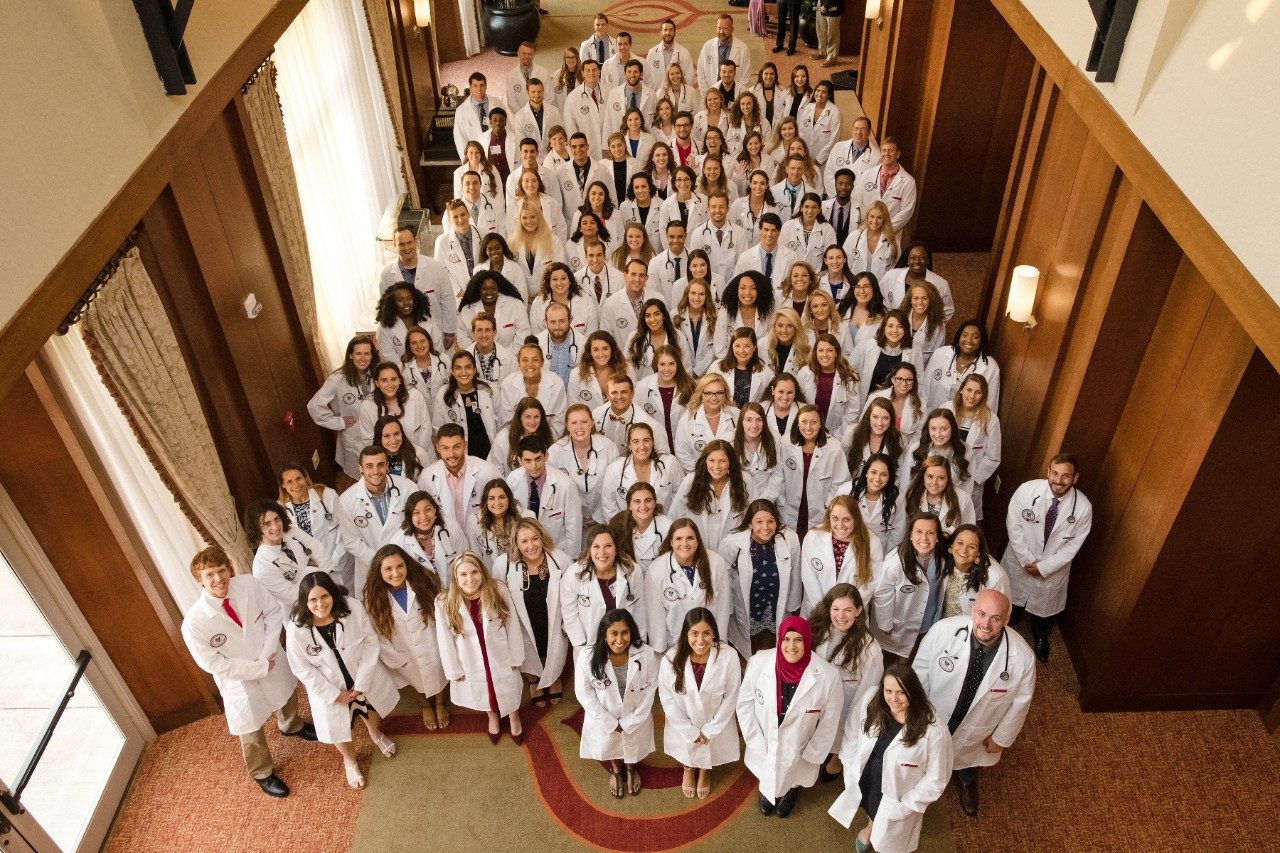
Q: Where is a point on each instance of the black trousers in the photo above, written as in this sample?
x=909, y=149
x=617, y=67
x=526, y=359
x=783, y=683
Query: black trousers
x=1041, y=626
x=788, y=11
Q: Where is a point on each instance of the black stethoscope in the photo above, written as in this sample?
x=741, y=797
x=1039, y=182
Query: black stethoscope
x=1071, y=519
x=602, y=683
x=658, y=468
x=524, y=569
x=328, y=513
x=675, y=591
x=495, y=364
x=314, y=648
x=950, y=658
x=393, y=491
x=573, y=347
x=584, y=473
x=728, y=226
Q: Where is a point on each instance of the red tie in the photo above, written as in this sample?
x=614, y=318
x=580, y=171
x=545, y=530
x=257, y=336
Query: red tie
x=231, y=611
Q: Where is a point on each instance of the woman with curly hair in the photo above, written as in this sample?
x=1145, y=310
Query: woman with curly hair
x=715, y=493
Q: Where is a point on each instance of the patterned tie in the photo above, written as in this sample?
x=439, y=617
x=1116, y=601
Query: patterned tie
x=719, y=236
x=484, y=117
x=631, y=102
x=688, y=572
x=599, y=290
x=535, y=498
x=791, y=195
x=972, y=678
x=1050, y=519
x=465, y=241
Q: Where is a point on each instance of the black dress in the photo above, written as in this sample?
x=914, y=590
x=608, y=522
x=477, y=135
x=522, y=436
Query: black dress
x=535, y=604
x=873, y=773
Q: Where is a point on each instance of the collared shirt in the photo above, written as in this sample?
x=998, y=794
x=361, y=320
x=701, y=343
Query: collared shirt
x=381, y=503
x=886, y=178
x=561, y=356
x=457, y=491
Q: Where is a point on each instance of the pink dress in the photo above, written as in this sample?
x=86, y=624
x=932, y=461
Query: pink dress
x=755, y=17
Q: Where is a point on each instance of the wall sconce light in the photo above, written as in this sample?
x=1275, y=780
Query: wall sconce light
x=873, y=12
x=1022, y=295
x=422, y=13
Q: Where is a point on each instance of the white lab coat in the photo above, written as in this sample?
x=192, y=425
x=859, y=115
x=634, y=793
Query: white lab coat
x=517, y=98
x=548, y=672
x=841, y=157
x=723, y=253
x=605, y=709
x=899, y=606
x=808, y=246
x=828, y=470
x=463, y=661
x=1001, y=704
x=582, y=114
x=616, y=107
x=476, y=473
x=888, y=533
x=925, y=341
x=819, y=133
x=485, y=543
x=900, y=196
x=559, y=506
x=646, y=543
x=391, y=339
x=525, y=126
x=735, y=548
x=765, y=479
x=573, y=196
x=942, y=378
x=662, y=268
x=338, y=399
x=551, y=392
x=587, y=391
x=619, y=319
x=964, y=515
x=697, y=359
x=846, y=403
x=818, y=571
x=709, y=61
x=695, y=211
x=760, y=380
x=787, y=755
x=893, y=287
x=611, y=278
x=412, y=653
x=432, y=278
x=860, y=257
x=865, y=356
x=664, y=475
x=322, y=518
x=1046, y=595
x=317, y=668
x=502, y=365
x=615, y=427
x=727, y=324
x=716, y=521
x=983, y=446
x=587, y=480
x=457, y=413
x=447, y=542
x=467, y=125
x=589, y=50
x=752, y=260
x=426, y=383
x=489, y=209
x=552, y=211
x=707, y=710
x=996, y=579
x=582, y=605
x=362, y=533
x=694, y=433
x=657, y=60
x=740, y=212
x=787, y=209
x=236, y=655
x=415, y=418
x=859, y=683
x=909, y=424
x=669, y=596
x=512, y=321
x=913, y=778
x=281, y=575
x=448, y=251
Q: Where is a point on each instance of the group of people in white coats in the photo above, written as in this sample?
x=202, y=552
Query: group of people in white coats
x=669, y=394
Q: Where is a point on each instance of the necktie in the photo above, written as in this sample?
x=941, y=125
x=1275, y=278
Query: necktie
x=768, y=265
x=595, y=97
x=465, y=241
x=231, y=611
x=600, y=51
x=535, y=498
x=720, y=236
x=791, y=196
x=886, y=178
x=288, y=553
x=688, y=572
x=972, y=678
x=474, y=208
x=1050, y=519
x=841, y=231
x=599, y=290
x=484, y=118
x=724, y=52
x=677, y=269
x=631, y=101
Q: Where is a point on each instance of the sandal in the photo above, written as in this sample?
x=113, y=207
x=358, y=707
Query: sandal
x=615, y=783
x=384, y=744
x=704, y=791
x=634, y=783
x=687, y=783
x=354, y=778
x=539, y=701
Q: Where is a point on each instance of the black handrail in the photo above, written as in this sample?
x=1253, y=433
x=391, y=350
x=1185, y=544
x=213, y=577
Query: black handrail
x=12, y=799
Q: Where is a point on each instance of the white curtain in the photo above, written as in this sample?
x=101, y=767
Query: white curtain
x=168, y=535
x=344, y=154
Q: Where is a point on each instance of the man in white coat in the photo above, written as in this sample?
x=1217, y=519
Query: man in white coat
x=457, y=480
x=579, y=173
x=664, y=53
x=458, y=248
x=428, y=275
x=233, y=632
x=612, y=69
x=723, y=46
x=485, y=215
x=371, y=510
x=630, y=92
x=548, y=493
x=614, y=418
x=890, y=183
x=1048, y=521
x=979, y=677
x=671, y=264
x=767, y=257
x=518, y=78
x=534, y=121
x=857, y=154
x=471, y=119
x=722, y=240
x=619, y=315
x=601, y=45
x=583, y=110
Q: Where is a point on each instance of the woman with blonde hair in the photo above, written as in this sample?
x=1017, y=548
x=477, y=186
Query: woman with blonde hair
x=534, y=242
x=584, y=454
x=676, y=90
x=787, y=348
x=873, y=248
x=784, y=130
x=530, y=188
x=708, y=416
x=821, y=316
x=839, y=550
x=712, y=114
x=481, y=647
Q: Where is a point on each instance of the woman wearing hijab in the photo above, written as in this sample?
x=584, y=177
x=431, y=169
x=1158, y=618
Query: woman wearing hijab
x=789, y=712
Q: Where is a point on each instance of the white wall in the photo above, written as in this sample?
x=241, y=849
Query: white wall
x=1199, y=84
x=82, y=107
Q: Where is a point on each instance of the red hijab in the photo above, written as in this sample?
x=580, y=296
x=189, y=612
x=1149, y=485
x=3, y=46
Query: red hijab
x=786, y=671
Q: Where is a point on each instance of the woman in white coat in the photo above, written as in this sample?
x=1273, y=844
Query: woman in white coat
x=685, y=575
x=708, y=417
x=533, y=572
x=470, y=403
x=663, y=393
x=641, y=465
x=902, y=595
x=830, y=383
x=314, y=509
x=967, y=570
x=698, y=682
x=603, y=578
x=743, y=369
x=400, y=598
x=336, y=405
x=616, y=680
x=481, y=647
x=642, y=524
x=841, y=636
x=334, y=651
x=584, y=454
x=390, y=396
x=427, y=536
x=840, y=550
x=757, y=447
x=897, y=755
x=819, y=122
x=875, y=490
x=966, y=356
x=872, y=248
x=932, y=490
x=979, y=426
x=532, y=379
x=876, y=360
x=491, y=293
x=789, y=712
x=813, y=469
x=763, y=555
x=715, y=494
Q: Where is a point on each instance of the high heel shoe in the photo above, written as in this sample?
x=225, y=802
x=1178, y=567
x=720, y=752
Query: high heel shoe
x=518, y=739
x=494, y=737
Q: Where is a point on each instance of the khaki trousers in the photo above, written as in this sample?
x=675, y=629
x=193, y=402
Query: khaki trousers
x=257, y=755
x=828, y=36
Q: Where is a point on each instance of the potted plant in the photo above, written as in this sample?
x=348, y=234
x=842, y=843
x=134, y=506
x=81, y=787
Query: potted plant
x=809, y=23
x=507, y=23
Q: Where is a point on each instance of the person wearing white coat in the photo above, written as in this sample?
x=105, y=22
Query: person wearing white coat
x=857, y=154
x=616, y=681
x=583, y=454
x=764, y=562
x=983, y=441
x=371, y=510
x=894, y=285
x=915, y=764
x=715, y=494
x=666, y=52
x=334, y=651
x=582, y=593
x=684, y=576
x=910, y=579
x=471, y=119
x=943, y=375
x=336, y=405
x=1048, y=520
x=414, y=414
x=843, y=639
x=428, y=537
x=481, y=646
x=533, y=572
x=511, y=322
x=550, y=390
x=451, y=251
x=860, y=257
x=399, y=598
x=455, y=414
x=314, y=509
x=559, y=506
x=698, y=683
x=661, y=471
x=789, y=712
x=988, y=720
x=695, y=431
x=808, y=241
x=813, y=469
x=524, y=125
x=233, y=632
x=820, y=131
x=429, y=275
x=899, y=194
x=844, y=406
x=860, y=561
x=455, y=469
x=727, y=45
x=518, y=78
x=284, y=553
x=583, y=112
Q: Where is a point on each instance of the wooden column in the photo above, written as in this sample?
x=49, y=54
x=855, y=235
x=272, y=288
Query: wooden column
x=418, y=74
x=66, y=503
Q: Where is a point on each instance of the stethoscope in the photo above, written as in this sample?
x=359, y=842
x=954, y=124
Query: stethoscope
x=584, y=473
x=1071, y=519
x=796, y=195
x=524, y=570
x=728, y=226
x=328, y=513
x=438, y=530
x=602, y=683
x=573, y=347
x=675, y=591
x=657, y=465
x=951, y=657
x=393, y=491
x=315, y=647
x=306, y=552
x=494, y=365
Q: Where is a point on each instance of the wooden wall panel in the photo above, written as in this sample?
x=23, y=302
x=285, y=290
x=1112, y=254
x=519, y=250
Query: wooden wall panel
x=876, y=64
x=62, y=503
x=418, y=74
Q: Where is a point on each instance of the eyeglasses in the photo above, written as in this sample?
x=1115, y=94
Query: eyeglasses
x=713, y=393
x=906, y=379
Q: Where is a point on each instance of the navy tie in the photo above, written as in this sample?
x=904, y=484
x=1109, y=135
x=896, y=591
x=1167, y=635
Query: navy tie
x=768, y=265
x=1050, y=519
x=535, y=499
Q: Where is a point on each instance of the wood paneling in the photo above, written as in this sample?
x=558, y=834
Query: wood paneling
x=418, y=74
x=64, y=505
x=446, y=20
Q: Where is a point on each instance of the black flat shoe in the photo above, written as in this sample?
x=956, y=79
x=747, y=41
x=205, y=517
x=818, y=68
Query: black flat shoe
x=1042, y=649
x=766, y=807
x=787, y=802
x=307, y=732
x=777, y=50
x=969, y=798
x=825, y=775
x=273, y=786
x=791, y=52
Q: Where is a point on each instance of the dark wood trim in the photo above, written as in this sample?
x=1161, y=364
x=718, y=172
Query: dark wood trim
x=39, y=316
